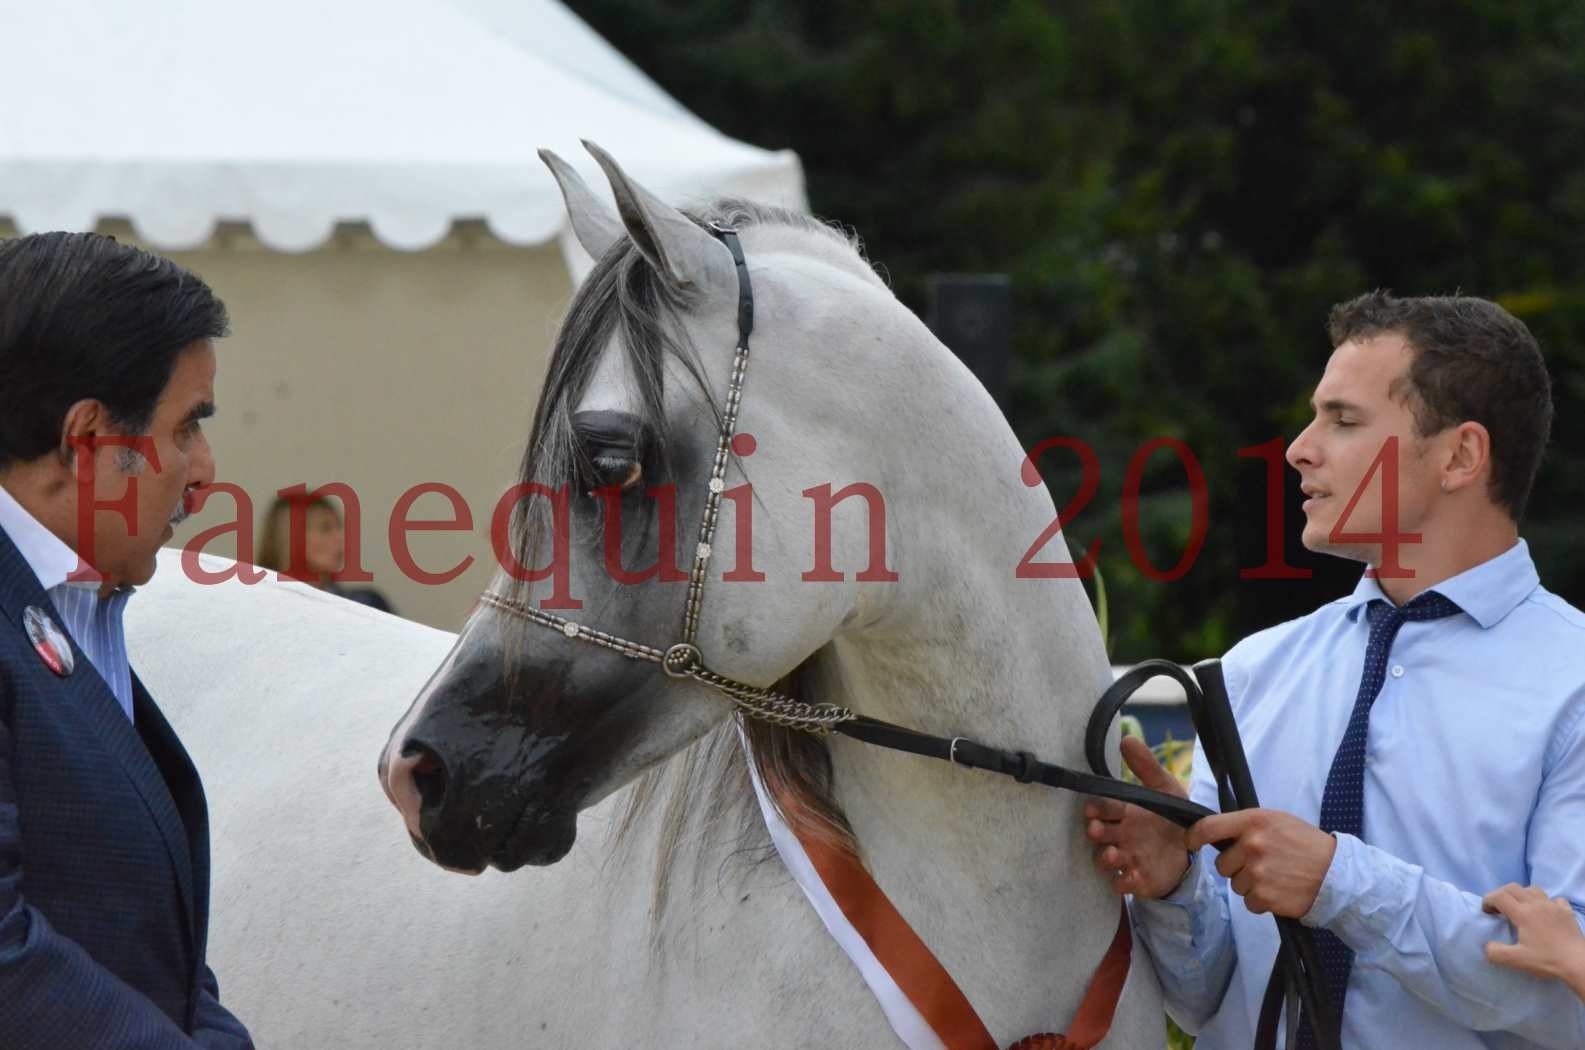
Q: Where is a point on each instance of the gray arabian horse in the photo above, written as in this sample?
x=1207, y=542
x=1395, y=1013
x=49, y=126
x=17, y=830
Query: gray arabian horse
x=668, y=921
x=920, y=621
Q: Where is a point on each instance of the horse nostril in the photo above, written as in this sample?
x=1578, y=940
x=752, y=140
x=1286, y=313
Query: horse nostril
x=429, y=775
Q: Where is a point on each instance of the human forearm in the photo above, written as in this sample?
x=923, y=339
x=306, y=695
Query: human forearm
x=216, y=1027
x=1189, y=936
x=99, y=1013
x=1548, y=941
x=1575, y=980
x=1431, y=936
x=53, y=994
x=222, y=1039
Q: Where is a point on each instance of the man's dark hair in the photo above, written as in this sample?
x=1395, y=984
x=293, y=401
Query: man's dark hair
x=1472, y=361
x=82, y=316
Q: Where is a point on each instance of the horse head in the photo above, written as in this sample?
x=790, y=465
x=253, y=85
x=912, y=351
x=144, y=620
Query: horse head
x=647, y=425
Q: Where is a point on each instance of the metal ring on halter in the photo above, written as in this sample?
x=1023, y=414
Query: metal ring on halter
x=681, y=660
x=952, y=749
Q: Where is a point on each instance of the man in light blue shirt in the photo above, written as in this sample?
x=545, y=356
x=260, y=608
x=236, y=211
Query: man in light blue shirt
x=1416, y=743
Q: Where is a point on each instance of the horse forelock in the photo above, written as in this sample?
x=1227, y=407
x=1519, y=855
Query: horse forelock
x=703, y=796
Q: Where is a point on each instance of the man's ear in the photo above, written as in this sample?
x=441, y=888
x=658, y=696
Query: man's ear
x=1469, y=457
x=84, y=421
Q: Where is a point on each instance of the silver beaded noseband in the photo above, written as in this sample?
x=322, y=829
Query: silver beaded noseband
x=683, y=660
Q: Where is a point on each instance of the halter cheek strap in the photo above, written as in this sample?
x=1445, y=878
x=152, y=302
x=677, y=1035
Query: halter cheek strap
x=734, y=399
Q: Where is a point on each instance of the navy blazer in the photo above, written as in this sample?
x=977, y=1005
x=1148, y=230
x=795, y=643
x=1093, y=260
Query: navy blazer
x=104, y=859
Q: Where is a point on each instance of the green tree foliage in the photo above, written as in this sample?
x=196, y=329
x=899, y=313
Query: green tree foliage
x=1180, y=189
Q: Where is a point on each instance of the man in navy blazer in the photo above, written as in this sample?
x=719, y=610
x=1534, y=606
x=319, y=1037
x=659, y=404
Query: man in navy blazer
x=106, y=372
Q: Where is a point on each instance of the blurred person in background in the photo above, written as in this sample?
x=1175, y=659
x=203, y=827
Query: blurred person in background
x=107, y=370
x=1414, y=742
x=323, y=548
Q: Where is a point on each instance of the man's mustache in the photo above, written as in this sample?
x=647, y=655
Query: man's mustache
x=184, y=509
x=133, y=463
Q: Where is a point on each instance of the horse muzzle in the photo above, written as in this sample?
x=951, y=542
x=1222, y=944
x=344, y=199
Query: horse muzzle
x=503, y=818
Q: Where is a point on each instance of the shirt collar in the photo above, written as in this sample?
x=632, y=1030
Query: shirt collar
x=51, y=560
x=1488, y=592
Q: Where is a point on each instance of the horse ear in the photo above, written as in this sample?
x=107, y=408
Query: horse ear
x=592, y=221
x=679, y=249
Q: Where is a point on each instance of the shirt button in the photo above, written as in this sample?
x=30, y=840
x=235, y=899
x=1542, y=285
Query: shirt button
x=1397, y=670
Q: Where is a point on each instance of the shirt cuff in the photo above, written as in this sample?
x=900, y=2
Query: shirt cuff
x=1187, y=889
x=1337, y=887
x=1361, y=887
x=1185, y=900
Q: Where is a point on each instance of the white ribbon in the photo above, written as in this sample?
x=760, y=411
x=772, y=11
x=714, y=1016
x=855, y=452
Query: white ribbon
x=906, y=1020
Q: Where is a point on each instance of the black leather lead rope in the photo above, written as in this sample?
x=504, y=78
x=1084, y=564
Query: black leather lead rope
x=1021, y=766
x=1296, y=976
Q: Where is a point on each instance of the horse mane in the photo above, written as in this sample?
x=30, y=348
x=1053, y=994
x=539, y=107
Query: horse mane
x=703, y=795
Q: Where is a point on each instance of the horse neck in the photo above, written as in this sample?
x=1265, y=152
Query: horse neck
x=1015, y=676
x=981, y=865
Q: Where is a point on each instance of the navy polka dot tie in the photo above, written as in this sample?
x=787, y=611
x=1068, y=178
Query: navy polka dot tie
x=1343, y=803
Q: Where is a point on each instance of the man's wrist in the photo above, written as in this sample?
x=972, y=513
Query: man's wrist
x=1575, y=979
x=1331, y=897
x=1183, y=890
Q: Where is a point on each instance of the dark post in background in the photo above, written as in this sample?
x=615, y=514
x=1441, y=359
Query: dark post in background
x=972, y=313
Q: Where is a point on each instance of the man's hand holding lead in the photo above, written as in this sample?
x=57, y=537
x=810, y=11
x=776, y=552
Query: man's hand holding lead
x=1275, y=861
x=1142, y=853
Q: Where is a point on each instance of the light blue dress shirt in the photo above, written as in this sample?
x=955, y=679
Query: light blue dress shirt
x=1474, y=777
x=94, y=622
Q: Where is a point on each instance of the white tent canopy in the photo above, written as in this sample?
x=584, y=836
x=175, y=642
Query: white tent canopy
x=406, y=115
x=556, y=35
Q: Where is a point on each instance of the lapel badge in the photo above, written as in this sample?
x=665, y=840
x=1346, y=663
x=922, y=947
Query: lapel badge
x=49, y=641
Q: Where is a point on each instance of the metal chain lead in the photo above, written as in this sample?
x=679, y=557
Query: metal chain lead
x=684, y=660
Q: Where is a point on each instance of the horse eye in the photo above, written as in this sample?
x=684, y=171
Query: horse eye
x=617, y=472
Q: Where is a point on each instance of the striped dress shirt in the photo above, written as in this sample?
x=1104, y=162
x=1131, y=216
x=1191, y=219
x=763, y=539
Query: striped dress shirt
x=94, y=621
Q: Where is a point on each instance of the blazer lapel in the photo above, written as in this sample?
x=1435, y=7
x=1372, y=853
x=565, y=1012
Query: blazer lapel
x=92, y=699
x=186, y=790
